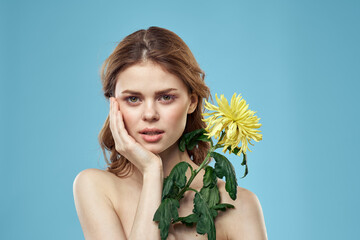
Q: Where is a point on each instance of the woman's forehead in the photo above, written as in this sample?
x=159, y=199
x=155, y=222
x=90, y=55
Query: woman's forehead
x=147, y=76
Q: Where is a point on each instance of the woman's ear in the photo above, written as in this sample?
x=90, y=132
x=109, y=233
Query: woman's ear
x=193, y=103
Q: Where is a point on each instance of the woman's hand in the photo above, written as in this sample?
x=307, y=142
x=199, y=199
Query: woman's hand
x=143, y=159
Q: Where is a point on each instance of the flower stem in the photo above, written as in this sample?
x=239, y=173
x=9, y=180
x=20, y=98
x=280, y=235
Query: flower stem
x=194, y=173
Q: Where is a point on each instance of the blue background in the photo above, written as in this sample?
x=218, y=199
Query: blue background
x=295, y=62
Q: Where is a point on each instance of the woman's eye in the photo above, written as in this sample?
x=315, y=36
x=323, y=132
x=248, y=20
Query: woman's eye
x=167, y=98
x=133, y=99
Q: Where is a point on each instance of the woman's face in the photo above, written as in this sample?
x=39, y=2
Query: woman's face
x=154, y=104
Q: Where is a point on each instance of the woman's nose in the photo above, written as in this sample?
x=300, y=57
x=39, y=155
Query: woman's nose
x=150, y=113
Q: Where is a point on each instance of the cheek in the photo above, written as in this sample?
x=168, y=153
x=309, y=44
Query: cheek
x=129, y=118
x=177, y=117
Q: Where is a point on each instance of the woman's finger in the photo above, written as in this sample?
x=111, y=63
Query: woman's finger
x=112, y=116
x=120, y=126
x=119, y=119
x=121, y=137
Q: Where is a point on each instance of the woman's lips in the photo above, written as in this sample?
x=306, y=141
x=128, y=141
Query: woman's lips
x=152, y=135
x=152, y=138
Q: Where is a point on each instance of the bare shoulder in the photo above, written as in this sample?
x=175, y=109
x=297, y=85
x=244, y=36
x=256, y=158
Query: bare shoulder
x=92, y=176
x=100, y=182
x=95, y=209
x=94, y=173
x=246, y=220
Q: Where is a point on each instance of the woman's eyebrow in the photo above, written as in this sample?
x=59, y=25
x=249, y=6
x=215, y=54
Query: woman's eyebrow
x=156, y=93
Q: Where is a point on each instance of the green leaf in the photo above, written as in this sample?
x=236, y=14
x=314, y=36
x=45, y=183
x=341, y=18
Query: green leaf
x=194, y=134
x=190, y=140
x=222, y=135
x=170, y=190
x=223, y=167
x=213, y=213
x=182, y=144
x=166, y=212
x=235, y=150
x=175, y=180
x=192, y=144
x=185, y=139
x=204, y=138
x=222, y=206
x=210, y=178
x=205, y=223
x=246, y=171
x=189, y=220
x=244, y=162
x=210, y=195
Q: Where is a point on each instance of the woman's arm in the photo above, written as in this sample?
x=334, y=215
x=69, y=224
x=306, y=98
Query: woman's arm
x=150, y=165
x=144, y=227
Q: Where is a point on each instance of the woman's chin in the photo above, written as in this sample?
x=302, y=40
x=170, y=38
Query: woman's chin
x=154, y=150
x=159, y=148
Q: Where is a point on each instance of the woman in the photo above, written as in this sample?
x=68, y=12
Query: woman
x=155, y=88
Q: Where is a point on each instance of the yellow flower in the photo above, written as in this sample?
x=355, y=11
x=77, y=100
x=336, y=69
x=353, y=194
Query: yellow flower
x=238, y=122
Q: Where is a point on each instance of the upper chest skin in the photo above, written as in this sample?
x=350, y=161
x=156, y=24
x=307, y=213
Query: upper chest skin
x=125, y=198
